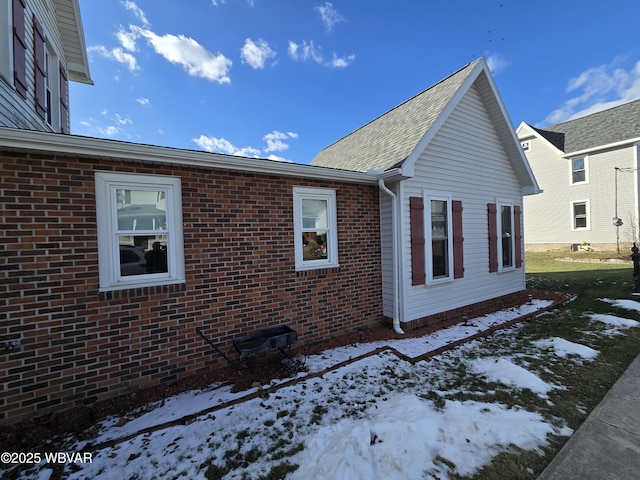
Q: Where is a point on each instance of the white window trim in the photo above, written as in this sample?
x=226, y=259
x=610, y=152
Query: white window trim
x=573, y=218
x=6, y=42
x=501, y=267
x=108, y=247
x=585, y=158
x=428, y=239
x=329, y=195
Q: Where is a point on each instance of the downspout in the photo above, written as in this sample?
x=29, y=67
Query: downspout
x=395, y=262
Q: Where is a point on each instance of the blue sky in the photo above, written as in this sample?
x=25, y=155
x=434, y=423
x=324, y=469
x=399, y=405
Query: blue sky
x=283, y=79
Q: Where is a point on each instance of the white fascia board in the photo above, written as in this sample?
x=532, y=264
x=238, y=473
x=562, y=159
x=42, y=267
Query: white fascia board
x=43, y=142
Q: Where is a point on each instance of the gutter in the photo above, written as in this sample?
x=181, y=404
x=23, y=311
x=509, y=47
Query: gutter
x=394, y=240
x=14, y=139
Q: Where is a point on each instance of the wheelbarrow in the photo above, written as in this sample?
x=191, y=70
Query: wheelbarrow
x=280, y=337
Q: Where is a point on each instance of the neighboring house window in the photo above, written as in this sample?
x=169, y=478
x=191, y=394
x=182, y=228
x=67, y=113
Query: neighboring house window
x=526, y=145
x=578, y=170
x=580, y=214
x=140, y=241
x=315, y=228
x=505, y=238
x=442, y=238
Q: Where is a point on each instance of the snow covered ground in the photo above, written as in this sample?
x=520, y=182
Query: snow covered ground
x=377, y=417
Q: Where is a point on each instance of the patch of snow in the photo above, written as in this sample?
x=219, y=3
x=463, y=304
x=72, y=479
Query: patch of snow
x=623, y=303
x=503, y=371
x=563, y=348
x=614, y=321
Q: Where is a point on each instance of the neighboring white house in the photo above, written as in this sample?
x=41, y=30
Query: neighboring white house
x=41, y=49
x=587, y=170
x=452, y=177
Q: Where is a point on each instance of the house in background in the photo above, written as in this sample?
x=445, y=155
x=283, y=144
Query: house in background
x=587, y=169
x=452, y=177
x=41, y=49
x=113, y=253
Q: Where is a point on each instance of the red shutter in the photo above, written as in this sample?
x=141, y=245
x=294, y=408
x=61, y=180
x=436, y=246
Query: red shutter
x=416, y=219
x=19, y=48
x=40, y=69
x=458, y=250
x=64, y=100
x=517, y=235
x=493, y=237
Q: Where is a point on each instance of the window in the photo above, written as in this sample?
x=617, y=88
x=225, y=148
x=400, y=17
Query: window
x=315, y=228
x=578, y=170
x=436, y=236
x=439, y=230
x=506, y=238
x=526, y=145
x=6, y=41
x=580, y=215
x=139, y=230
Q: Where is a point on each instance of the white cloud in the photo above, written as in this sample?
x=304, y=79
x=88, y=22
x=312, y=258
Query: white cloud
x=496, y=63
x=275, y=139
x=193, y=57
x=109, y=131
x=329, y=15
x=142, y=101
x=123, y=120
x=256, y=53
x=221, y=145
x=309, y=51
x=127, y=39
x=131, y=6
x=597, y=89
x=116, y=54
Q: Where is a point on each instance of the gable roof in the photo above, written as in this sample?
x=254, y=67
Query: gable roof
x=396, y=138
x=607, y=127
x=73, y=43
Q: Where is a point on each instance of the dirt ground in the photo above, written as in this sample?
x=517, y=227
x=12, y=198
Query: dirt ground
x=46, y=432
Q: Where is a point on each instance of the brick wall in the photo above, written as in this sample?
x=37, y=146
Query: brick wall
x=79, y=345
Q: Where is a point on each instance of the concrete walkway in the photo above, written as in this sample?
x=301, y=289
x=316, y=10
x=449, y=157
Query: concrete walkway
x=607, y=444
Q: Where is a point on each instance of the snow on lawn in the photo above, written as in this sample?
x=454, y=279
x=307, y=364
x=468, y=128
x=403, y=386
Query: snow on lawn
x=623, y=303
x=619, y=323
x=503, y=371
x=391, y=443
x=563, y=348
x=373, y=417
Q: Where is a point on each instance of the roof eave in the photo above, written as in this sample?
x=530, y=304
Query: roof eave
x=13, y=139
x=608, y=146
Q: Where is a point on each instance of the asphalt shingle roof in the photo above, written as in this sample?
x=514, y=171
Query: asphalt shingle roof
x=602, y=128
x=388, y=140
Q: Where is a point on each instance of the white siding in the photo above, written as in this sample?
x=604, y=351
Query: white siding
x=466, y=160
x=16, y=111
x=549, y=218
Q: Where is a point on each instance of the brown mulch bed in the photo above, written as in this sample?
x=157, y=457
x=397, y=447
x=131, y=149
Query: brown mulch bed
x=47, y=433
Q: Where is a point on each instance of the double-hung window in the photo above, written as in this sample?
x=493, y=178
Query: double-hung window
x=578, y=170
x=315, y=228
x=580, y=215
x=506, y=231
x=441, y=239
x=139, y=220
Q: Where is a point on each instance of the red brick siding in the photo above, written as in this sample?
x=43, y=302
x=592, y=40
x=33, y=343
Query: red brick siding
x=79, y=345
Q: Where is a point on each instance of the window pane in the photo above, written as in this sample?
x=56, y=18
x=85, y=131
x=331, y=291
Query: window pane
x=440, y=258
x=314, y=213
x=580, y=209
x=579, y=172
x=578, y=164
x=439, y=219
x=507, y=250
x=141, y=210
x=579, y=176
x=142, y=254
x=314, y=245
x=580, y=215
